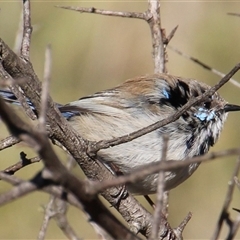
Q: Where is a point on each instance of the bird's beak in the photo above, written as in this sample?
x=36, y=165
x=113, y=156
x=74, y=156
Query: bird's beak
x=231, y=108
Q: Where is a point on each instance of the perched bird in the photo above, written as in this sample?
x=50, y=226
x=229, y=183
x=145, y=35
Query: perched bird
x=138, y=103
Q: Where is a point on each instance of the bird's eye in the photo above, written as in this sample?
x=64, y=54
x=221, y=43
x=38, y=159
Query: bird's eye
x=207, y=105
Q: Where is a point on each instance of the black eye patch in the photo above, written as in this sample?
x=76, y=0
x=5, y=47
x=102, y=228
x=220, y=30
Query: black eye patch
x=207, y=105
x=176, y=96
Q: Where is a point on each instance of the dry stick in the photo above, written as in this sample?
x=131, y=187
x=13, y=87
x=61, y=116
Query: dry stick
x=234, y=14
x=137, y=15
x=155, y=167
x=178, y=231
x=11, y=140
x=49, y=213
x=154, y=22
x=160, y=194
x=23, y=100
x=27, y=30
x=9, y=81
x=215, y=71
x=30, y=187
x=22, y=188
x=61, y=206
x=170, y=36
x=152, y=16
x=228, y=199
x=94, y=148
x=234, y=228
x=45, y=89
x=19, y=35
x=8, y=142
x=165, y=203
x=56, y=172
x=9, y=179
x=21, y=164
x=237, y=182
x=57, y=209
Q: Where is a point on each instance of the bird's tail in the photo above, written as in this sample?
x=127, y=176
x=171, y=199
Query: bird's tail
x=9, y=97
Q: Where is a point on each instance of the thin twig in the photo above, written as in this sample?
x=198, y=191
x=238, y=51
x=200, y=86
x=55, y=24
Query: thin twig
x=179, y=230
x=49, y=213
x=152, y=16
x=160, y=194
x=228, y=199
x=155, y=167
x=56, y=191
x=234, y=228
x=165, y=203
x=27, y=30
x=157, y=38
x=60, y=207
x=170, y=36
x=234, y=14
x=21, y=164
x=137, y=15
x=11, y=84
x=19, y=36
x=8, y=142
x=237, y=182
x=45, y=88
x=213, y=70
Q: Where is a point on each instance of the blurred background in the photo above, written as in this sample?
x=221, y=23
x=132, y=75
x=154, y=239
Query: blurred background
x=92, y=53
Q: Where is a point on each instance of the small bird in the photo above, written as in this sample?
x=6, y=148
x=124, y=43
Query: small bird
x=138, y=103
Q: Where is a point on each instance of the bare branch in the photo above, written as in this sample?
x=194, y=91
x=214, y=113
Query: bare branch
x=234, y=228
x=160, y=194
x=19, y=36
x=170, y=36
x=11, y=84
x=155, y=167
x=45, y=89
x=20, y=190
x=57, y=209
x=237, y=182
x=178, y=231
x=56, y=191
x=154, y=21
x=8, y=142
x=22, y=163
x=49, y=213
x=234, y=14
x=137, y=15
x=27, y=30
x=207, y=67
x=228, y=199
x=152, y=17
x=60, y=208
